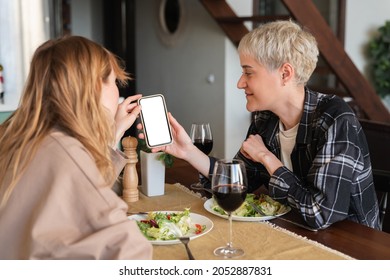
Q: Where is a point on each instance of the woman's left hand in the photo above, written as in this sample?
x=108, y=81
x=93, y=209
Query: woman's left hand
x=126, y=114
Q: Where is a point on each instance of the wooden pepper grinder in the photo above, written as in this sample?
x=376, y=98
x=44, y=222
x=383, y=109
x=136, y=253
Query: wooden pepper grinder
x=130, y=176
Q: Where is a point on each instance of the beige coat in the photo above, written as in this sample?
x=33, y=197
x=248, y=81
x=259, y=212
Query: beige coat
x=62, y=209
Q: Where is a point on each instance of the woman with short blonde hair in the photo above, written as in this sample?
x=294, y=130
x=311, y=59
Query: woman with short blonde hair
x=306, y=148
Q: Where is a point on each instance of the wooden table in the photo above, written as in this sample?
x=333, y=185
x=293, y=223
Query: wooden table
x=348, y=237
x=259, y=240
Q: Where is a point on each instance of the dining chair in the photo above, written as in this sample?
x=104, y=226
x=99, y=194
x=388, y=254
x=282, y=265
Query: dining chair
x=378, y=139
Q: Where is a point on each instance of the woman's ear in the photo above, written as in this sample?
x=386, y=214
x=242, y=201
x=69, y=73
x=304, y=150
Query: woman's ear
x=286, y=73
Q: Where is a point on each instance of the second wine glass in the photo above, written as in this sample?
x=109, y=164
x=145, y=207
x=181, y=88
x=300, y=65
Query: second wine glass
x=202, y=138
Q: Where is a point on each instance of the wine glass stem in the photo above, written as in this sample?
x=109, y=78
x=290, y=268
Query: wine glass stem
x=200, y=176
x=230, y=244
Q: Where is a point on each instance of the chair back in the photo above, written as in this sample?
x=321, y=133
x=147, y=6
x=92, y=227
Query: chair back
x=378, y=139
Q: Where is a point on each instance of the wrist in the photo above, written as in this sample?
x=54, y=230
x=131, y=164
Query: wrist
x=118, y=137
x=189, y=153
x=270, y=161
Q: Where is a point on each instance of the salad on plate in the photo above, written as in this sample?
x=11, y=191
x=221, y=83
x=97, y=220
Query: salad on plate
x=169, y=225
x=269, y=207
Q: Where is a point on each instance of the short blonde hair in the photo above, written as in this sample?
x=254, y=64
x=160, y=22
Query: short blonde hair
x=275, y=43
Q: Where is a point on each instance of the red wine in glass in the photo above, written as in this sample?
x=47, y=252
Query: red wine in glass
x=205, y=145
x=229, y=197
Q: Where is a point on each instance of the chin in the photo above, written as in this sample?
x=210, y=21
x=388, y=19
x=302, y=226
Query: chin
x=250, y=109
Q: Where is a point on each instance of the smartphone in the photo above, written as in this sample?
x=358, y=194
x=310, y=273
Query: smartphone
x=157, y=129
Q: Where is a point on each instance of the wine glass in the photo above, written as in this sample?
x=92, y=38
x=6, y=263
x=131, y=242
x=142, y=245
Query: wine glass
x=203, y=139
x=229, y=188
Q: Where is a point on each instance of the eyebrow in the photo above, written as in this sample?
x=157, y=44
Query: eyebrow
x=246, y=66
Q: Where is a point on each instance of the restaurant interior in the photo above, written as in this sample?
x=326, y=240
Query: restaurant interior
x=159, y=41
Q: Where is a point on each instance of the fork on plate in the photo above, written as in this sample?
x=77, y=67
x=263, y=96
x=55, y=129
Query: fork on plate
x=185, y=241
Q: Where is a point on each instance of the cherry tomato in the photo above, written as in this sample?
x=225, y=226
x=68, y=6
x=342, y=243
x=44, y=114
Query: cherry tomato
x=199, y=229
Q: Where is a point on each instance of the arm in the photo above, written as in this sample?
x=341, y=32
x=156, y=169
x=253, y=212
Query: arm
x=254, y=149
x=182, y=147
x=252, y=152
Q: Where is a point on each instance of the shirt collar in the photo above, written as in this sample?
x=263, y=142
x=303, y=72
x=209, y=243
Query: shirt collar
x=305, y=125
x=305, y=129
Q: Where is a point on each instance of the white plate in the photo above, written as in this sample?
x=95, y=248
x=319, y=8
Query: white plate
x=195, y=219
x=208, y=205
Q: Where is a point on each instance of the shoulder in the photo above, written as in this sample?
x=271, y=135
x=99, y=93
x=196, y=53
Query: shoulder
x=333, y=106
x=66, y=167
x=64, y=152
x=61, y=144
x=329, y=109
x=63, y=140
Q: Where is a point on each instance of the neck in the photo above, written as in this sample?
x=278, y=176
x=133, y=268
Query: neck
x=291, y=109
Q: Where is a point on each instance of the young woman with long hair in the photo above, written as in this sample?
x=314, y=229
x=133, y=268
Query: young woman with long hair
x=58, y=161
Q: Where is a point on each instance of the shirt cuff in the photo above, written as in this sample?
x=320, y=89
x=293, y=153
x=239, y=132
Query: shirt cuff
x=206, y=182
x=119, y=160
x=280, y=182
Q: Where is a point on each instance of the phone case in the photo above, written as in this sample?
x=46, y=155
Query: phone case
x=155, y=121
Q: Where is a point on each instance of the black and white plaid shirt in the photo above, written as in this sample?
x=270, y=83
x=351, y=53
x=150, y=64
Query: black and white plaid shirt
x=331, y=178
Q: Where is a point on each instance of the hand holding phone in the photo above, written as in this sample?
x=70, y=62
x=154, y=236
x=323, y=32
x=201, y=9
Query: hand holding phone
x=157, y=129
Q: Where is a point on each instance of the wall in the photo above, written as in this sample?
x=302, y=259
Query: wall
x=3, y=116
x=237, y=118
x=362, y=23
x=180, y=72
x=363, y=18
x=86, y=19
x=23, y=27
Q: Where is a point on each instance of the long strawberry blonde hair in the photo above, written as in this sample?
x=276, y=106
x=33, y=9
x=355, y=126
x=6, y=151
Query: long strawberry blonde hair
x=63, y=90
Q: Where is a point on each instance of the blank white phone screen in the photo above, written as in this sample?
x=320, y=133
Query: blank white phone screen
x=155, y=121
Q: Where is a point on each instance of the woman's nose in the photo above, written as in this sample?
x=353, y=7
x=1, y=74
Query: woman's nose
x=241, y=83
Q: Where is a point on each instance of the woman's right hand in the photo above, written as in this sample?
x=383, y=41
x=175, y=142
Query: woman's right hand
x=183, y=148
x=182, y=145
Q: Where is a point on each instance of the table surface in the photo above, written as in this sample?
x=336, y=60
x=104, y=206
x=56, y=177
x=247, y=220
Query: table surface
x=350, y=238
x=259, y=240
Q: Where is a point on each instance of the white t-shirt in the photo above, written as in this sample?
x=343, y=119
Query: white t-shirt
x=287, y=143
